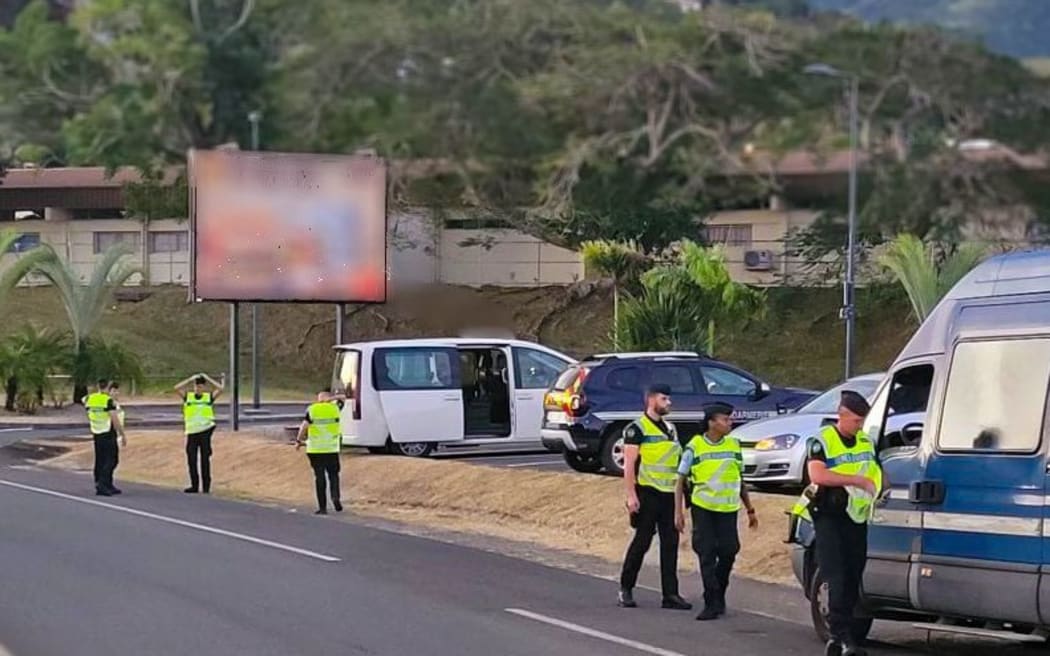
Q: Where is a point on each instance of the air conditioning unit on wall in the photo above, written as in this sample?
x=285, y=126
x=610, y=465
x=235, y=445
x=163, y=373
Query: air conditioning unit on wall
x=758, y=260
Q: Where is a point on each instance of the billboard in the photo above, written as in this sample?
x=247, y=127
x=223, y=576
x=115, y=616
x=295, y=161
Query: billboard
x=287, y=227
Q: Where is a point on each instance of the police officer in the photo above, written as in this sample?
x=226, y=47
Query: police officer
x=323, y=440
x=198, y=414
x=843, y=467
x=713, y=464
x=651, y=454
x=106, y=426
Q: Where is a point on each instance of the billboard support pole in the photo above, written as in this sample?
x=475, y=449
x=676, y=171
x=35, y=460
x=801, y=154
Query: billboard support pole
x=255, y=356
x=235, y=369
x=340, y=318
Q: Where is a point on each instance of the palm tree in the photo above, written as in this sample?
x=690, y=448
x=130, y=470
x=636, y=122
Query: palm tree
x=27, y=359
x=84, y=303
x=699, y=284
x=925, y=274
x=624, y=262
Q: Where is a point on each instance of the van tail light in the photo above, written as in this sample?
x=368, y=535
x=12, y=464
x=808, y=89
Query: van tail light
x=356, y=390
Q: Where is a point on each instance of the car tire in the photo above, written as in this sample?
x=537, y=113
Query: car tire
x=410, y=449
x=582, y=463
x=379, y=450
x=612, y=451
x=818, y=599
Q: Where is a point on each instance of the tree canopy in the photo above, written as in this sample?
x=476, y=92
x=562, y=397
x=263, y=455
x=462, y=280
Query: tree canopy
x=578, y=119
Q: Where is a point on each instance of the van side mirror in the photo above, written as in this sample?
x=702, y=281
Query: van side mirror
x=911, y=434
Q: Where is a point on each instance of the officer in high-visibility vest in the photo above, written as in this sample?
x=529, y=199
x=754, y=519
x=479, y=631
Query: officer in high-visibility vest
x=106, y=427
x=651, y=453
x=843, y=466
x=323, y=439
x=198, y=413
x=713, y=464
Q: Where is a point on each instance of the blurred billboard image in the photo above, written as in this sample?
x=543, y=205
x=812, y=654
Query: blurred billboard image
x=287, y=227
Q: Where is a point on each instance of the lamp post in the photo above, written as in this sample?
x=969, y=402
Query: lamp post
x=254, y=117
x=848, y=311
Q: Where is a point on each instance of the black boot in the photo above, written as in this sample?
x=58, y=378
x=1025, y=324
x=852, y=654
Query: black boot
x=675, y=602
x=625, y=599
x=833, y=648
x=707, y=614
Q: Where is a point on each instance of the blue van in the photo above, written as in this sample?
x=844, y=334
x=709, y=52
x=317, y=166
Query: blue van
x=960, y=539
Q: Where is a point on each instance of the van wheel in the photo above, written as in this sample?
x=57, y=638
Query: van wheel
x=582, y=463
x=818, y=608
x=612, y=451
x=410, y=449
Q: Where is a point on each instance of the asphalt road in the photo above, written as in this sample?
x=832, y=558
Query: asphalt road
x=156, y=572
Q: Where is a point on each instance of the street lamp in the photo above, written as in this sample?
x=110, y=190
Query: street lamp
x=254, y=117
x=848, y=311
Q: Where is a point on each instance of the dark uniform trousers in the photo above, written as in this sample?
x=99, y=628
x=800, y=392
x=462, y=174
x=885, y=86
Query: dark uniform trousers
x=107, y=454
x=325, y=464
x=655, y=513
x=199, y=443
x=842, y=550
x=716, y=542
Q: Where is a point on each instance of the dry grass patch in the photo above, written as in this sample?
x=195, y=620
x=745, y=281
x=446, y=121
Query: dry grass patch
x=560, y=510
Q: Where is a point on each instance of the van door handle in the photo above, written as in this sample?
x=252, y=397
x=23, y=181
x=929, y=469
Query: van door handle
x=929, y=492
x=451, y=398
x=525, y=397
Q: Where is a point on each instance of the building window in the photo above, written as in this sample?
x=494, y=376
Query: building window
x=24, y=242
x=169, y=241
x=97, y=213
x=103, y=241
x=728, y=235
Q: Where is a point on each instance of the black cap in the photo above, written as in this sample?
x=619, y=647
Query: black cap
x=855, y=403
x=717, y=408
x=659, y=388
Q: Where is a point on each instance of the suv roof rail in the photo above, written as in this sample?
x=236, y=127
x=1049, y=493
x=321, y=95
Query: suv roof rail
x=644, y=354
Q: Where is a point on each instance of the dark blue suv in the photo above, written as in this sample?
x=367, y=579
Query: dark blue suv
x=589, y=404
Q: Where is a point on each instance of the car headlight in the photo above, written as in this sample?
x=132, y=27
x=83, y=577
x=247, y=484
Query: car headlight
x=777, y=443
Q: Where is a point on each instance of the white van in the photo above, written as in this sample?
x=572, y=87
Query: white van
x=407, y=397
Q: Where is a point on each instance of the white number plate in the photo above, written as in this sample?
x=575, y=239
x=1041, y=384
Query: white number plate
x=557, y=418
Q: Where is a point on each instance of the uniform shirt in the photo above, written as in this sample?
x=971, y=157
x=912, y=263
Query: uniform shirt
x=688, y=456
x=339, y=404
x=832, y=499
x=112, y=405
x=633, y=434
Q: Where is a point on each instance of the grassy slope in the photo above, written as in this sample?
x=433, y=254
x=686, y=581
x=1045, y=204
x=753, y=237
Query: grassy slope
x=799, y=343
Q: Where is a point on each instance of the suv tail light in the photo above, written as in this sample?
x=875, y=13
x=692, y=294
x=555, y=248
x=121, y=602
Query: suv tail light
x=576, y=400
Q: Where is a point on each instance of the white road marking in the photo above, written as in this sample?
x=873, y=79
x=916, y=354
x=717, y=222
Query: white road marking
x=594, y=633
x=15, y=430
x=177, y=522
x=536, y=464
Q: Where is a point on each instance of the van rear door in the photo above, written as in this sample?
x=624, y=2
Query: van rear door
x=982, y=493
x=420, y=392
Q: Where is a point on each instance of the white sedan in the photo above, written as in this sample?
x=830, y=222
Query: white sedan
x=775, y=448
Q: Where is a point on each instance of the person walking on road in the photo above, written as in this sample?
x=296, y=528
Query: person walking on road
x=106, y=430
x=323, y=440
x=651, y=455
x=198, y=412
x=843, y=466
x=713, y=464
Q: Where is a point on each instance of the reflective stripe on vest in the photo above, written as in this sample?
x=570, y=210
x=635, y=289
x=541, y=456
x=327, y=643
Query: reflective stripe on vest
x=198, y=412
x=322, y=433
x=856, y=461
x=98, y=415
x=716, y=473
x=659, y=457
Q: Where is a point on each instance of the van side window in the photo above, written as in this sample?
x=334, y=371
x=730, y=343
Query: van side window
x=535, y=369
x=996, y=396
x=898, y=415
x=414, y=369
